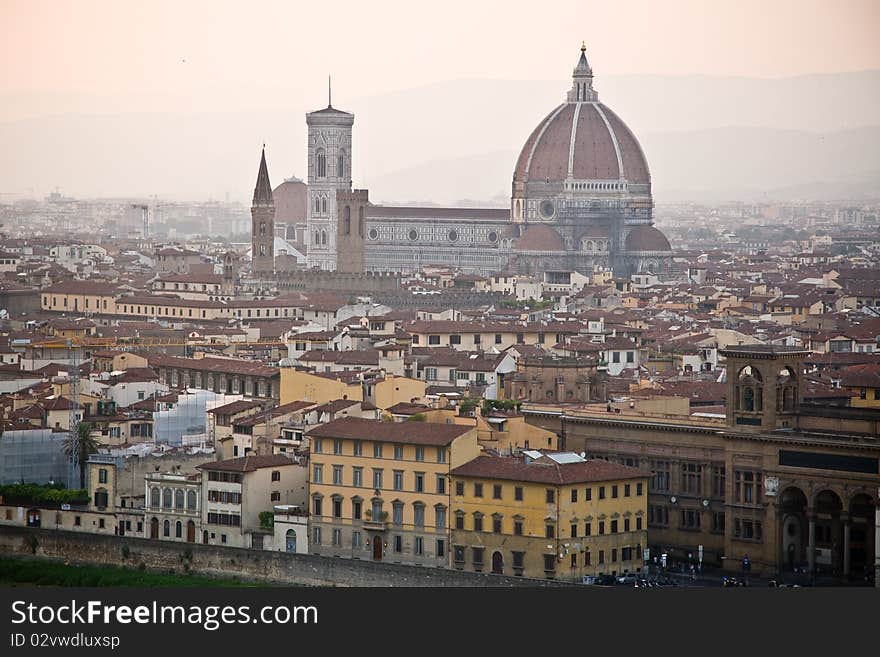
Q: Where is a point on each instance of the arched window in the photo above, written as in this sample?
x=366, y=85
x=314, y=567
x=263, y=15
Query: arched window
x=191, y=500
x=748, y=399
x=178, y=499
x=346, y=218
x=317, y=239
x=788, y=399
x=321, y=160
x=324, y=238
x=340, y=165
x=262, y=228
x=262, y=249
x=317, y=205
x=166, y=499
x=361, y=221
x=178, y=530
x=166, y=528
x=154, y=497
x=323, y=206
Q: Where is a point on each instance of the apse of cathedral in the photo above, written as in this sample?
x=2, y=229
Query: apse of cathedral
x=581, y=201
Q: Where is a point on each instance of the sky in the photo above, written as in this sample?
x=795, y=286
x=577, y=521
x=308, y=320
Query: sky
x=180, y=55
x=174, y=97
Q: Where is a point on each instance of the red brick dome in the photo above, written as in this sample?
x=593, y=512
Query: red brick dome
x=647, y=238
x=589, y=138
x=539, y=237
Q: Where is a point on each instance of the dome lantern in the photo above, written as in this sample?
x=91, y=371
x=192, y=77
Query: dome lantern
x=582, y=81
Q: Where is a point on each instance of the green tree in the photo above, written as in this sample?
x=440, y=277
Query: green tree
x=82, y=445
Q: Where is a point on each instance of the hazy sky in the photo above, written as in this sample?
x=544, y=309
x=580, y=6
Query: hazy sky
x=121, y=55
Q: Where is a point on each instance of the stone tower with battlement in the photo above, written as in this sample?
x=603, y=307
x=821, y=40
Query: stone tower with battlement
x=350, y=230
x=329, y=159
x=263, y=224
x=764, y=386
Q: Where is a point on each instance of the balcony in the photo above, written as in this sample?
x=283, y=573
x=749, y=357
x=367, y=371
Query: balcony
x=377, y=524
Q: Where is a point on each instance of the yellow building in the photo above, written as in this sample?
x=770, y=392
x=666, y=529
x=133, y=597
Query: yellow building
x=80, y=297
x=863, y=383
x=486, y=335
x=548, y=515
x=321, y=388
x=390, y=390
x=297, y=385
x=501, y=431
x=108, y=360
x=380, y=490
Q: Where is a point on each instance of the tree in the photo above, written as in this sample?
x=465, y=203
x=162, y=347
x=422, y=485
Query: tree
x=82, y=445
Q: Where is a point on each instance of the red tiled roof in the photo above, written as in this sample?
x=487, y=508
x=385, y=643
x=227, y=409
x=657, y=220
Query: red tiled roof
x=411, y=433
x=223, y=365
x=861, y=376
x=390, y=212
x=336, y=405
x=248, y=463
x=545, y=470
x=358, y=357
x=83, y=287
x=233, y=408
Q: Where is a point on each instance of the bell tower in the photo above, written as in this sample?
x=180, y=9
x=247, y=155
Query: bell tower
x=330, y=160
x=263, y=223
x=764, y=386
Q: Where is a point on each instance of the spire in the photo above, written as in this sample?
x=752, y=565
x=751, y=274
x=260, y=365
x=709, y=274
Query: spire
x=583, y=64
x=329, y=94
x=263, y=189
x=582, y=80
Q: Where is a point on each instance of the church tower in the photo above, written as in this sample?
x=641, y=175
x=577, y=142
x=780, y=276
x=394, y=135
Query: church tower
x=263, y=224
x=329, y=172
x=350, y=230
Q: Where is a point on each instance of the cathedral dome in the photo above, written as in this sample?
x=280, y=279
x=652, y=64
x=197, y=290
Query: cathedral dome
x=647, y=238
x=582, y=139
x=539, y=237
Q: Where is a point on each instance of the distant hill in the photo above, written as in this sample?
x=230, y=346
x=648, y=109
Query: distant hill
x=706, y=137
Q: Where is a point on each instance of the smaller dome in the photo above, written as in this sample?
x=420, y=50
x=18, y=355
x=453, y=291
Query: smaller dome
x=647, y=238
x=539, y=237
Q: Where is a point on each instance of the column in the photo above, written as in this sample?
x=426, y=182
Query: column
x=811, y=548
x=846, y=524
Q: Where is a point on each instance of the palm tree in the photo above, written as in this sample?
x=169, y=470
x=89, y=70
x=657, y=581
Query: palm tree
x=82, y=445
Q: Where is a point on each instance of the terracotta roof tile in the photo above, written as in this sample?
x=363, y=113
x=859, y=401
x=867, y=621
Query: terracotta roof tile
x=545, y=470
x=411, y=433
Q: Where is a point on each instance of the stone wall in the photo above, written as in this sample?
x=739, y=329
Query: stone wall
x=331, y=281
x=227, y=562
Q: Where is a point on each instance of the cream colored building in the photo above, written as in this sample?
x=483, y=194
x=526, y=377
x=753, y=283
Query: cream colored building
x=380, y=490
x=235, y=493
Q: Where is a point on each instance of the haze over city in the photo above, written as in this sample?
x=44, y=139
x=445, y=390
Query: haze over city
x=731, y=100
x=578, y=295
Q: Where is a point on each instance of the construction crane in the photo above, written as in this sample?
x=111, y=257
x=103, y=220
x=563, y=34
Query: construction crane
x=74, y=416
x=145, y=211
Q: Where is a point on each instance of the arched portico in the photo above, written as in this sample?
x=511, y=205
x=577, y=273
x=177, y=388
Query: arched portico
x=794, y=529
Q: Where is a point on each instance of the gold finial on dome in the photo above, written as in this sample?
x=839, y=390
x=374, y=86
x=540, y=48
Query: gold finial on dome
x=583, y=46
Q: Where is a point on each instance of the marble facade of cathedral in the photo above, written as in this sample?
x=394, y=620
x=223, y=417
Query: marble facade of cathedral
x=581, y=199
